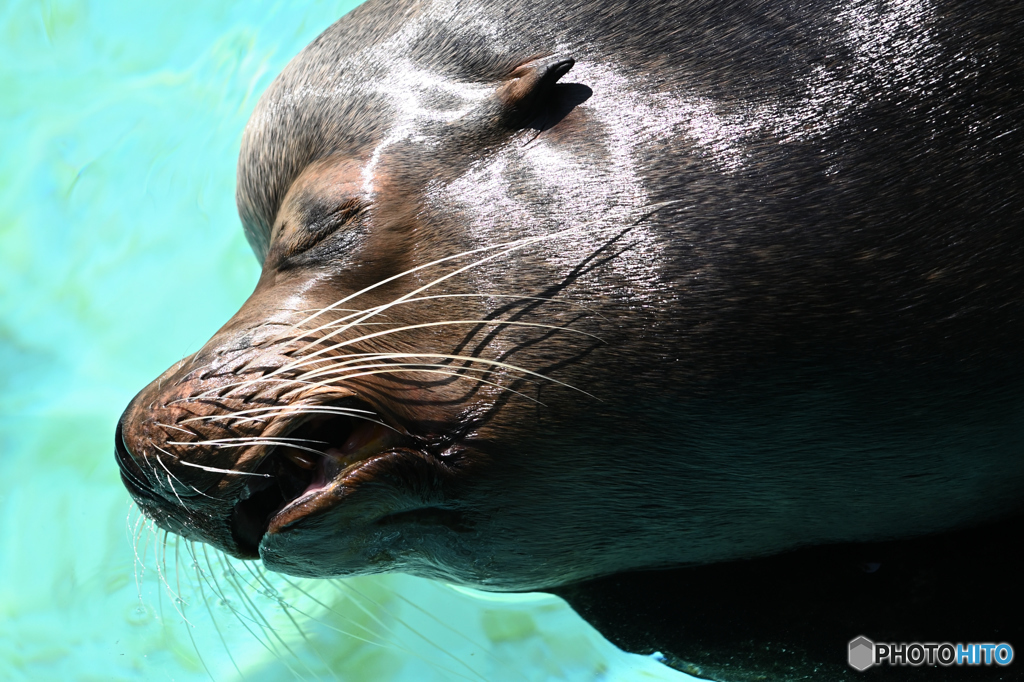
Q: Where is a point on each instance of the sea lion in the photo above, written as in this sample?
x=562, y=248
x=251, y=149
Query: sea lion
x=557, y=290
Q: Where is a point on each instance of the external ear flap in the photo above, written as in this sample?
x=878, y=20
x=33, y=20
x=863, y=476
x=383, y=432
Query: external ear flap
x=529, y=85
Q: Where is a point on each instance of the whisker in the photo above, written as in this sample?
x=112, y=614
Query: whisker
x=137, y=562
x=170, y=483
x=188, y=625
x=508, y=246
x=390, y=279
x=176, y=428
x=204, y=468
x=252, y=614
x=511, y=296
x=400, y=300
x=175, y=597
x=441, y=622
x=265, y=625
x=445, y=323
x=247, y=439
x=147, y=525
x=512, y=246
x=279, y=409
x=338, y=613
x=250, y=444
x=283, y=604
x=400, y=369
x=332, y=382
x=327, y=371
x=222, y=471
x=361, y=357
x=464, y=358
x=407, y=626
x=375, y=310
x=375, y=618
x=209, y=609
x=198, y=491
x=314, y=410
x=495, y=363
x=215, y=586
x=156, y=564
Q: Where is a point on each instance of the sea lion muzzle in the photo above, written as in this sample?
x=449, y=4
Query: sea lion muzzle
x=254, y=443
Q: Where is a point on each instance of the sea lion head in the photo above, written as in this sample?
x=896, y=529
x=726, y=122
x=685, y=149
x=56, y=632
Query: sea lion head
x=391, y=395
x=555, y=294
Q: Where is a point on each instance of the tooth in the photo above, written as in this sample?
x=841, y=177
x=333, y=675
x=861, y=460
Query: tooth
x=301, y=459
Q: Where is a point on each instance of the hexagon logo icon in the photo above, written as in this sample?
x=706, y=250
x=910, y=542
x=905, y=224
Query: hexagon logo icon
x=862, y=653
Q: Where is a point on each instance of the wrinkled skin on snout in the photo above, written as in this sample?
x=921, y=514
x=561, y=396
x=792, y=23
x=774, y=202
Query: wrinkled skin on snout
x=554, y=291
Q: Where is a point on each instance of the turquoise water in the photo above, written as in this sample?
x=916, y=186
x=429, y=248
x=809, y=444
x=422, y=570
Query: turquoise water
x=121, y=252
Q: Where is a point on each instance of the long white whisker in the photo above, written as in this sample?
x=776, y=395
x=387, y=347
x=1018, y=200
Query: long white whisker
x=248, y=439
x=394, y=634
x=223, y=471
x=145, y=537
x=279, y=409
x=391, y=279
x=312, y=357
x=327, y=371
x=135, y=549
x=263, y=623
x=170, y=483
x=250, y=444
x=370, y=632
x=188, y=626
x=219, y=591
x=287, y=608
x=503, y=365
x=508, y=247
x=464, y=358
x=200, y=579
x=432, y=297
x=412, y=294
x=317, y=411
x=175, y=477
x=444, y=323
x=176, y=428
x=409, y=627
x=440, y=621
x=402, y=370
x=175, y=597
x=399, y=368
x=513, y=246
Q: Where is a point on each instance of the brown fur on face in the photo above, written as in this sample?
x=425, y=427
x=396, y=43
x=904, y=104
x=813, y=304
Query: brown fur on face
x=531, y=325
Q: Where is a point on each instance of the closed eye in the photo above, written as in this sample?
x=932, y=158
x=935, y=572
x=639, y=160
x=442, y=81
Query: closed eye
x=321, y=221
x=313, y=225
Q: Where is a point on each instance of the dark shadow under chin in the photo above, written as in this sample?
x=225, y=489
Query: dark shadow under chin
x=791, y=617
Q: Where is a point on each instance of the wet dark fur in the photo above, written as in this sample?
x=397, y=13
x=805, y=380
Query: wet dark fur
x=800, y=245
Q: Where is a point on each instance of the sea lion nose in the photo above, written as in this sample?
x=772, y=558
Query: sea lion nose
x=131, y=473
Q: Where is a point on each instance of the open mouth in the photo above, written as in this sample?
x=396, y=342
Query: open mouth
x=320, y=451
